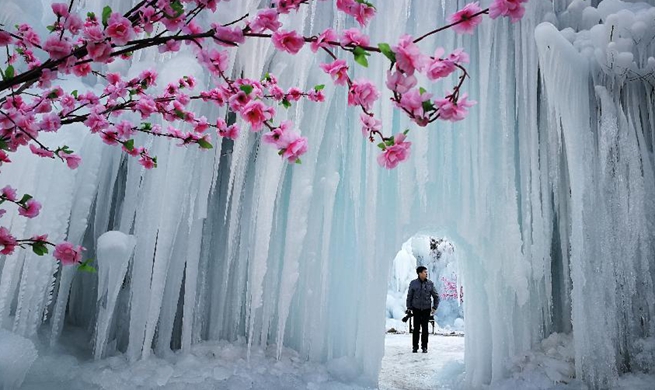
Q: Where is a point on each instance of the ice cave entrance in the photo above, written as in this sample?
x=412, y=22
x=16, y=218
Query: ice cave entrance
x=440, y=256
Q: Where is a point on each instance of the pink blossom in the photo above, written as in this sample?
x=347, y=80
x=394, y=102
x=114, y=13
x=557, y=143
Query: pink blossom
x=93, y=33
x=454, y=111
x=294, y=94
x=72, y=160
x=285, y=6
x=47, y=76
x=96, y=122
x=231, y=132
x=57, y=48
x=316, y=96
x=408, y=56
x=50, y=122
x=363, y=13
x=256, y=113
x=395, y=154
x=170, y=45
x=459, y=56
x=5, y=38
x=412, y=102
x=281, y=136
x=110, y=137
x=99, y=51
x=266, y=20
x=216, y=61
x=295, y=149
x=201, y=125
x=41, y=152
x=60, y=9
x=147, y=162
x=119, y=29
x=73, y=24
x=353, y=36
x=82, y=70
x=7, y=241
x=363, y=92
x=338, y=70
x=288, y=41
x=31, y=209
x=511, y=8
x=276, y=92
x=466, y=18
x=228, y=36
x=238, y=100
x=68, y=253
x=148, y=77
x=369, y=123
x=145, y=106
x=323, y=40
x=9, y=193
x=399, y=82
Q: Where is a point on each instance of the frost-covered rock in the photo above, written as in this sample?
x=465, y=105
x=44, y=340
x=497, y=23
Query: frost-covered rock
x=16, y=357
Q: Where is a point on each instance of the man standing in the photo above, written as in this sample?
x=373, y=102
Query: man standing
x=419, y=301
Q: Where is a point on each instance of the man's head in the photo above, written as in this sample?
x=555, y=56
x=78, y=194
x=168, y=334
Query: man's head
x=422, y=272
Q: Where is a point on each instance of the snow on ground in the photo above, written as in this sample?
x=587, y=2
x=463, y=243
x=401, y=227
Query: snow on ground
x=441, y=368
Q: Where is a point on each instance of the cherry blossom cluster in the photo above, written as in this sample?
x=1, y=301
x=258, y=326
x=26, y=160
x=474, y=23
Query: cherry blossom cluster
x=449, y=289
x=31, y=102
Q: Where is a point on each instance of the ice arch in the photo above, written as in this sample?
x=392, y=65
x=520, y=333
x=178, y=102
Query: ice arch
x=552, y=192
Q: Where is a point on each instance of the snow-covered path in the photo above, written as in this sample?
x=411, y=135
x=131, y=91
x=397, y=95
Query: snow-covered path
x=441, y=368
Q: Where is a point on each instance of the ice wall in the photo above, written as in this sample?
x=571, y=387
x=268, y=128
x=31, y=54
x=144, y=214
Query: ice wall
x=546, y=191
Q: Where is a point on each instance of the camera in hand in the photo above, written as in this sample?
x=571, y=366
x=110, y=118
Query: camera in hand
x=409, y=314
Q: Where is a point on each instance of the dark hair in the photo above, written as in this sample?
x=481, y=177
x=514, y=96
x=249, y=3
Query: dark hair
x=420, y=269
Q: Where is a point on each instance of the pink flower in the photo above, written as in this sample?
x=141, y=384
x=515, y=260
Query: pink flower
x=50, y=122
x=316, y=96
x=281, y=136
x=364, y=93
x=228, y=36
x=295, y=149
x=215, y=61
x=323, y=39
x=100, y=51
x=396, y=153
x=266, y=20
x=170, y=45
x=511, y=8
x=398, y=82
x=8, y=193
x=231, y=132
x=361, y=11
x=408, y=56
x=145, y=106
x=412, y=103
x=466, y=18
x=288, y=41
x=454, y=111
x=459, y=56
x=41, y=152
x=82, y=70
x=238, y=100
x=256, y=113
x=57, y=48
x=93, y=33
x=72, y=160
x=60, y=9
x=369, y=123
x=294, y=94
x=119, y=29
x=285, y=6
x=147, y=162
x=201, y=125
x=338, y=70
x=96, y=122
x=353, y=36
x=5, y=38
x=74, y=24
x=68, y=253
x=7, y=241
x=31, y=209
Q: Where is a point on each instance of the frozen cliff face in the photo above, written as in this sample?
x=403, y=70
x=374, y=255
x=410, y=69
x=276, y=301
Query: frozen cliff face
x=546, y=189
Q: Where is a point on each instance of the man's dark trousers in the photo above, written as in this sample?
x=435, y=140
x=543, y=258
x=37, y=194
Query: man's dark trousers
x=421, y=318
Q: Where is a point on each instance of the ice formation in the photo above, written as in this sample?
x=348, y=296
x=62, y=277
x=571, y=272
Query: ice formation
x=546, y=190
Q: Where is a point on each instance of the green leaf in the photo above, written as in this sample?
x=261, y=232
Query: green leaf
x=246, y=88
x=298, y=161
x=286, y=103
x=386, y=50
x=390, y=142
x=319, y=87
x=366, y=3
x=382, y=146
x=406, y=131
x=87, y=267
x=129, y=145
x=106, y=13
x=180, y=114
x=9, y=73
x=147, y=126
x=74, y=93
x=178, y=8
x=25, y=198
x=421, y=90
x=204, y=144
x=91, y=15
x=428, y=106
x=3, y=144
x=50, y=28
x=360, y=56
x=281, y=152
x=39, y=248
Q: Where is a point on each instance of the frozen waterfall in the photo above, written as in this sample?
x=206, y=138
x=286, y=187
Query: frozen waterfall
x=546, y=190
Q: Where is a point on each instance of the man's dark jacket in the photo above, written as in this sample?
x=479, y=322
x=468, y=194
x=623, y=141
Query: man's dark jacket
x=420, y=294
